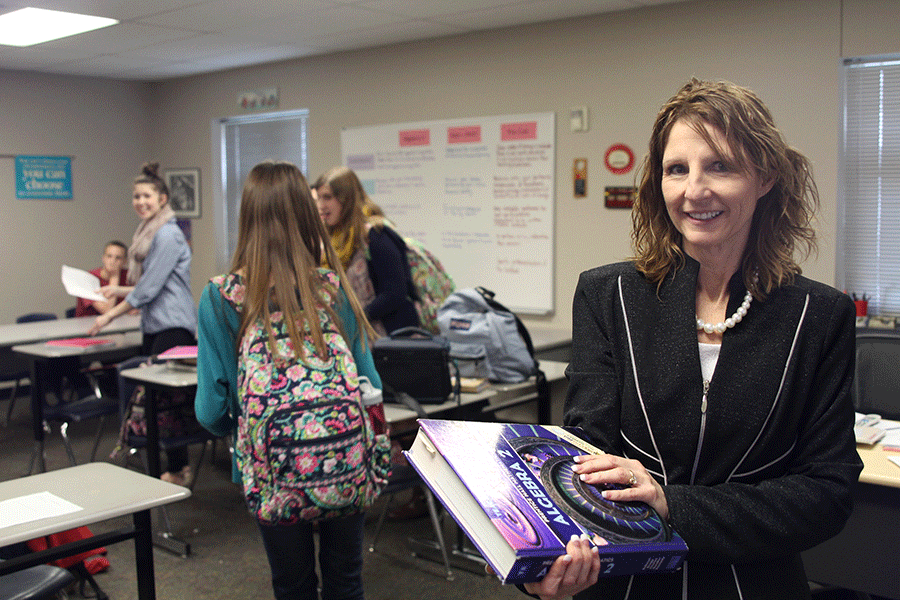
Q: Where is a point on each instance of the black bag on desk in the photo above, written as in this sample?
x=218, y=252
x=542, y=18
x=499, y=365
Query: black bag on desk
x=416, y=362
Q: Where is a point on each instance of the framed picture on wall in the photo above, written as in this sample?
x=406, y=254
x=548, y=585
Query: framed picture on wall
x=184, y=192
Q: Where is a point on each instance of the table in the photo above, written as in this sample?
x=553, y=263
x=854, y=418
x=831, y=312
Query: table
x=551, y=343
x=863, y=556
x=103, y=491
x=44, y=359
x=14, y=334
x=157, y=378
x=497, y=398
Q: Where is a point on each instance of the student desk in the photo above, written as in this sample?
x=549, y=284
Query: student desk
x=45, y=359
x=15, y=334
x=864, y=556
x=497, y=398
x=162, y=378
x=40, y=331
x=551, y=343
x=102, y=491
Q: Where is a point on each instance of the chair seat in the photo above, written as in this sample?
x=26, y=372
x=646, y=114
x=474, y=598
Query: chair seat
x=36, y=583
x=82, y=410
x=173, y=442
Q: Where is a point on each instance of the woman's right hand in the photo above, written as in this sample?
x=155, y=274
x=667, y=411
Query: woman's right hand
x=109, y=291
x=574, y=572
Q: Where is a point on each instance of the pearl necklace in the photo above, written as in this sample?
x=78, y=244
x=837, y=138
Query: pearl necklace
x=731, y=321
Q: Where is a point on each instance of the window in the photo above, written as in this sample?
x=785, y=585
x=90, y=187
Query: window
x=244, y=142
x=869, y=252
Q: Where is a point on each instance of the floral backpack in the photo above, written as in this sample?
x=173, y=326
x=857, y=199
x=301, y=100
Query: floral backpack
x=433, y=284
x=305, y=445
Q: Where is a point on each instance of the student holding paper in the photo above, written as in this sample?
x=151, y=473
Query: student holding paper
x=159, y=278
x=110, y=273
x=715, y=375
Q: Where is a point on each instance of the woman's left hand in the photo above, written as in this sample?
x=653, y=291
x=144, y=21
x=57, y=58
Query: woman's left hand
x=638, y=484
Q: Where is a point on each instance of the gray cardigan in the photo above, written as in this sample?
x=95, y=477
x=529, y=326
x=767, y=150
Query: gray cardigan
x=768, y=471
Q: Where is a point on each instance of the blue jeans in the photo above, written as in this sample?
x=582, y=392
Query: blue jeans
x=291, y=553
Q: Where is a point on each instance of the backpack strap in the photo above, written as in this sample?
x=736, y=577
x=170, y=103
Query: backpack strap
x=542, y=385
x=488, y=296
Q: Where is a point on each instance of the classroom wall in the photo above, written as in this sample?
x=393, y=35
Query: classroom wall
x=102, y=125
x=623, y=66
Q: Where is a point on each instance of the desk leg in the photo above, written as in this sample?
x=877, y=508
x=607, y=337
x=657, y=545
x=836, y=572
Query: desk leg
x=143, y=555
x=164, y=539
x=37, y=375
x=153, y=467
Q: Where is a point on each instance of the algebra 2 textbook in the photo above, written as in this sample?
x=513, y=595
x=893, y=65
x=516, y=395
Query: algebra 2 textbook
x=512, y=489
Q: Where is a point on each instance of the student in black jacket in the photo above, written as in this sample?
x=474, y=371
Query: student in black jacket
x=372, y=254
x=715, y=375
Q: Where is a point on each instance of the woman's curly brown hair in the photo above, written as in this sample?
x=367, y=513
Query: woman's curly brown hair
x=782, y=222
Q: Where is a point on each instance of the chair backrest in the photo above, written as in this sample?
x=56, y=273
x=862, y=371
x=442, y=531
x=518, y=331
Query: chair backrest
x=31, y=317
x=876, y=388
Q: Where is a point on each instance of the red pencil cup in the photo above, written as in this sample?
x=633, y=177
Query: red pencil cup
x=862, y=307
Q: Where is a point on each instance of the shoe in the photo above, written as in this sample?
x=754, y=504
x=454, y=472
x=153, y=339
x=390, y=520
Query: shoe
x=182, y=477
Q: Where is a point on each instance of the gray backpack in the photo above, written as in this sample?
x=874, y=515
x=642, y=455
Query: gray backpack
x=486, y=339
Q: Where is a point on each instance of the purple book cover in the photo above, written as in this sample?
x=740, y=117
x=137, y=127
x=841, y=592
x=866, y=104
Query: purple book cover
x=521, y=476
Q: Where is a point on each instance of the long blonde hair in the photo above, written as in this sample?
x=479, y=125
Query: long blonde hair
x=782, y=221
x=281, y=243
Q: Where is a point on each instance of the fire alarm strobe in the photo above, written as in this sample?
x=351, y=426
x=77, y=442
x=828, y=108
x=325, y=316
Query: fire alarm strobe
x=619, y=159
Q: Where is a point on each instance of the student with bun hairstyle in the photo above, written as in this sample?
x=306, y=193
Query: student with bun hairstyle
x=159, y=283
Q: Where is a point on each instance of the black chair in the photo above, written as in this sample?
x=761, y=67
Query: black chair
x=42, y=582
x=95, y=405
x=876, y=387
x=36, y=316
x=18, y=376
x=404, y=477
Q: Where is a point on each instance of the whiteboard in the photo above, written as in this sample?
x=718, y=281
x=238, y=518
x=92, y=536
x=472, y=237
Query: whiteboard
x=479, y=193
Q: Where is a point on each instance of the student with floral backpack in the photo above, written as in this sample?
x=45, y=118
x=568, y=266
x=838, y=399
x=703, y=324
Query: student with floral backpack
x=282, y=351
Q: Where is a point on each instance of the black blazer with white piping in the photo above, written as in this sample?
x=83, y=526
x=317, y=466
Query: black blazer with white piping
x=768, y=470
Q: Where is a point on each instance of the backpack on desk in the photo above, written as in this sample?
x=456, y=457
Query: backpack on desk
x=305, y=444
x=486, y=338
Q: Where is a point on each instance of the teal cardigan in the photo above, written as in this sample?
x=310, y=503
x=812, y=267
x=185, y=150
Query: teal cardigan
x=217, y=404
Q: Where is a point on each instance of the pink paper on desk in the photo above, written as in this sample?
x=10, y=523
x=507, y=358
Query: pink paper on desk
x=179, y=352
x=79, y=342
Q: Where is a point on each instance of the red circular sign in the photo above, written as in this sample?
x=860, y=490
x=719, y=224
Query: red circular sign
x=619, y=159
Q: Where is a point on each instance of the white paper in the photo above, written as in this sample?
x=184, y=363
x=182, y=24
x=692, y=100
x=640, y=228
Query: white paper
x=895, y=460
x=892, y=433
x=81, y=284
x=32, y=507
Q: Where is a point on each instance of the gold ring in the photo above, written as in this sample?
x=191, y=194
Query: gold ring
x=632, y=481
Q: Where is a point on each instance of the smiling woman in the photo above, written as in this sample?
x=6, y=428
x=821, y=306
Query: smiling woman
x=159, y=275
x=740, y=436
x=710, y=196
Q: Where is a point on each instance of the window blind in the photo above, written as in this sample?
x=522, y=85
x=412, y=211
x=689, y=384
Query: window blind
x=248, y=140
x=870, y=260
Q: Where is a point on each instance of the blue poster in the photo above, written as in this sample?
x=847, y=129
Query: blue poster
x=47, y=177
